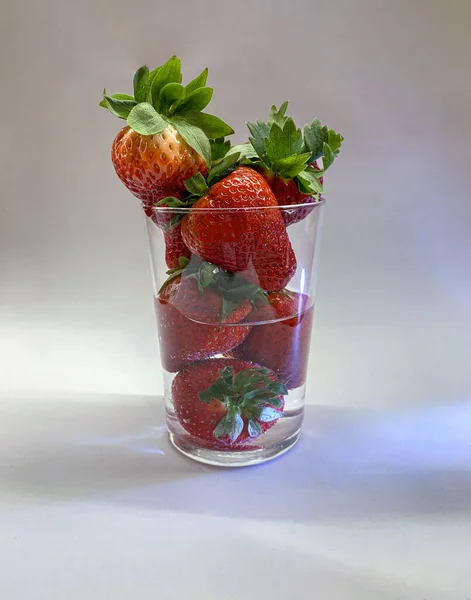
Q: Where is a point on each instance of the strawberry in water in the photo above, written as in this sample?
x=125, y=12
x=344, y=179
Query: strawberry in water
x=250, y=242
x=166, y=140
x=226, y=402
x=282, y=344
x=198, y=310
x=288, y=159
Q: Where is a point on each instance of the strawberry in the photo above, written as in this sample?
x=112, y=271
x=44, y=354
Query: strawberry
x=154, y=166
x=283, y=344
x=287, y=159
x=225, y=402
x=249, y=242
x=175, y=247
x=195, y=310
x=288, y=194
x=166, y=140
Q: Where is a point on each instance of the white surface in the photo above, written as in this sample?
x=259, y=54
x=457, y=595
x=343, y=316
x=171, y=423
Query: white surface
x=94, y=504
x=370, y=505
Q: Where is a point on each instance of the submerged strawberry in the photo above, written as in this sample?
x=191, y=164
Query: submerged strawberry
x=183, y=340
x=253, y=243
x=282, y=344
x=198, y=310
x=287, y=159
x=226, y=402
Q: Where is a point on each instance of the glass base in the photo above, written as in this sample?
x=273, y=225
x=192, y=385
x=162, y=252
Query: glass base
x=243, y=458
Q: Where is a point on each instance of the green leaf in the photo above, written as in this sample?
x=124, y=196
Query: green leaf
x=223, y=167
x=259, y=380
x=276, y=402
x=328, y=157
x=278, y=388
x=243, y=378
x=334, y=140
x=170, y=97
x=227, y=375
x=246, y=151
x=253, y=428
x=197, y=82
x=176, y=272
x=196, y=185
x=283, y=142
x=174, y=221
x=170, y=72
x=308, y=181
x=118, y=106
x=260, y=132
x=218, y=390
x=228, y=306
x=196, y=100
x=258, y=393
x=213, y=127
x=263, y=396
x=268, y=414
x=117, y=97
x=206, y=396
x=314, y=138
x=290, y=166
x=194, y=137
x=141, y=84
x=219, y=148
x=173, y=202
x=278, y=115
x=183, y=261
x=204, y=275
x=231, y=425
x=144, y=119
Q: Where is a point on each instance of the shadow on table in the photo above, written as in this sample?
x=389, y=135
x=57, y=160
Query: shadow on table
x=349, y=463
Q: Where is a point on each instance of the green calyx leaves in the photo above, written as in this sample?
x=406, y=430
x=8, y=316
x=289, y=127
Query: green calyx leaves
x=322, y=142
x=252, y=395
x=232, y=288
x=282, y=148
x=176, y=272
x=160, y=99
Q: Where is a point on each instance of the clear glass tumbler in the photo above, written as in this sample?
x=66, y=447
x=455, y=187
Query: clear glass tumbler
x=234, y=356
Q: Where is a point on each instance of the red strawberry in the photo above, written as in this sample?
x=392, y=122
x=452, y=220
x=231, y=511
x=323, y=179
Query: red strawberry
x=166, y=140
x=189, y=323
x=225, y=402
x=175, y=247
x=250, y=242
x=155, y=166
x=282, y=345
x=287, y=159
x=287, y=193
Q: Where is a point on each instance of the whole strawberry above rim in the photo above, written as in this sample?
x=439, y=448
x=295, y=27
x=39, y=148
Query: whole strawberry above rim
x=166, y=140
x=288, y=158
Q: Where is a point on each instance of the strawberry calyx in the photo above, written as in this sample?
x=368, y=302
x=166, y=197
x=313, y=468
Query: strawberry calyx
x=281, y=148
x=160, y=100
x=231, y=287
x=252, y=396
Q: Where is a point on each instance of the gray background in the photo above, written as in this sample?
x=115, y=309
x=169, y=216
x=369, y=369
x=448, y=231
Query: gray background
x=372, y=504
x=393, y=324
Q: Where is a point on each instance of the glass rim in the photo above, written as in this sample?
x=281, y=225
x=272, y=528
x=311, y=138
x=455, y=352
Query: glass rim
x=229, y=209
